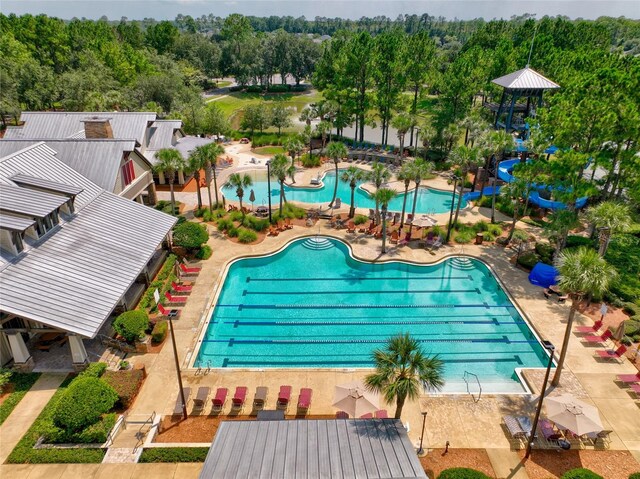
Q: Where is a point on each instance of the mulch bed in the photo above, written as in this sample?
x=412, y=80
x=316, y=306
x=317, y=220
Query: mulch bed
x=437, y=461
x=552, y=464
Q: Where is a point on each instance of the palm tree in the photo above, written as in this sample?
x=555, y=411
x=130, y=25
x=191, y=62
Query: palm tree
x=210, y=154
x=323, y=128
x=610, y=218
x=384, y=197
x=421, y=169
x=466, y=158
x=402, y=123
x=405, y=174
x=492, y=144
x=280, y=168
x=581, y=272
x=308, y=115
x=352, y=175
x=378, y=175
x=196, y=162
x=170, y=161
x=293, y=146
x=336, y=151
x=403, y=370
x=515, y=191
x=240, y=182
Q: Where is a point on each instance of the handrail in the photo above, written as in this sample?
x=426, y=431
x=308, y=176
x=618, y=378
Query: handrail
x=465, y=377
x=140, y=435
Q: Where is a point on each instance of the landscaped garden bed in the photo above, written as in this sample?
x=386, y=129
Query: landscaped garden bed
x=437, y=461
x=553, y=464
x=14, y=390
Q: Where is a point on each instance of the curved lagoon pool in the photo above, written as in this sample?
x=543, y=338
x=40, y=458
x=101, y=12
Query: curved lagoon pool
x=312, y=305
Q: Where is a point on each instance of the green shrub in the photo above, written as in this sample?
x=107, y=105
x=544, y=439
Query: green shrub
x=5, y=376
x=190, y=235
x=236, y=215
x=632, y=326
x=224, y=224
x=528, y=260
x=575, y=241
x=635, y=475
x=495, y=230
x=126, y=383
x=310, y=162
x=437, y=230
x=481, y=226
x=199, y=212
x=22, y=382
x=181, y=219
x=256, y=224
x=246, y=236
x=165, y=207
x=464, y=237
x=545, y=252
x=83, y=403
x=290, y=211
x=174, y=454
x=159, y=332
x=204, y=252
x=96, y=433
x=520, y=235
x=131, y=324
x=632, y=309
x=462, y=473
x=232, y=232
x=208, y=215
x=580, y=473
x=94, y=370
x=360, y=219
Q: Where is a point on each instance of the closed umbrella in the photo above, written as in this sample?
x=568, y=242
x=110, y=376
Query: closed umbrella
x=355, y=400
x=252, y=198
x=619, y=332
x=572, y=414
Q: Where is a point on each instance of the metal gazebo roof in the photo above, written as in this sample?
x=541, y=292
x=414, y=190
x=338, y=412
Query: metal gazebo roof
x=525, y=79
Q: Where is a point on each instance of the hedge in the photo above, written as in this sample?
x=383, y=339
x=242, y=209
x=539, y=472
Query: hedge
x=159, y=332
x=94, y=370
x=581, y=473
x=83, y=403
x=190, y=235
x=131, y=324
x=174, y=454
x=204, y=253
x=126, y=384
x=462, y=473
x=159, y=283
x=528, y=260
x=22, y=382
x=24, y=453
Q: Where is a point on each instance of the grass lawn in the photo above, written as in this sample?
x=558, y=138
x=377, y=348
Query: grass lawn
x=268, y=150
x=22, y=382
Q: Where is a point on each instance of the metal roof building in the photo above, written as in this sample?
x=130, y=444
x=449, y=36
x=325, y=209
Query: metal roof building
x=349, y=448
x=525, y=79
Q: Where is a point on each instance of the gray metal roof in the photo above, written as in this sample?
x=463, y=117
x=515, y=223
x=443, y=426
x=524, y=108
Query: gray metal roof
x=161, y=134
x=187, y=144
x=14, y=223
x=26, y=180
x=29, y=202
x=73, y=278
x=96, y=159
x=351, y=448
x=125, y=125
x=525, y=79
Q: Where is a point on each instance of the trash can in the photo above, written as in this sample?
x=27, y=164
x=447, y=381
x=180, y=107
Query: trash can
x=479, y=238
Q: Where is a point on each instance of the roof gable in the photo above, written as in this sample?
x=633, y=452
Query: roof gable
x=525, y=79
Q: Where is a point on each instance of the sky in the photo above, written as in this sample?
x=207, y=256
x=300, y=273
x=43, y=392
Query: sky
x=461, y=9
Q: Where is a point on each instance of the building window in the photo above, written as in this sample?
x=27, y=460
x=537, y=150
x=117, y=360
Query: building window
x=128, y=173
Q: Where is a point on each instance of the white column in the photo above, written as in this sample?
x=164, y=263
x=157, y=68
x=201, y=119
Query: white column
x=78, y=353
x=19, y=349
x=180, y=177
x=5, y=350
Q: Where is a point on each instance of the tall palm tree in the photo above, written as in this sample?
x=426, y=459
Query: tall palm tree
x=421, y=169
x=402, y=122
x=240, y=182
x=610, y=218
x=323, y=129
x=466, y=158
x=406, y=175
x=492, y=145
x=384, y=197
x=352, y=175
x=515, y=191
x=582, y=272
x=196, y=162
x=280, y=168
x=170, y=161
x=307, y=115
x=336, y=151
x=210, y=153
x=403, y=370
x=378, y=175
x=293, y=146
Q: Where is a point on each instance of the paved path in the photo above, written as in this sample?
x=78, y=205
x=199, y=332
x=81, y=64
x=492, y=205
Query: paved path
x=102, y=471
x=27, y=410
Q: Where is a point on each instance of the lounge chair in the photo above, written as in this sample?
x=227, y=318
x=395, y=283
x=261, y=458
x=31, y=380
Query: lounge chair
x=409, y=219
x=287, y=224
x=280, y=225
x=189, y=269
x=525, y=424
x=514, y=427
x=382, y=414
x=599, y=339
x=284, y=396
x=219, y=399
x=237, y=402
x=616, y=354
x=629, y=378
x=175, y=299
x=273, y=231
x=563, y=298
x=304, y=399
x=169, y=313
x=260, y=398
x=178, y=409
x=589, y=329
x=342, y=415
x=201, y=398
x=635, y=388
x=180, y=288
x=351, y=227
x=367, y=416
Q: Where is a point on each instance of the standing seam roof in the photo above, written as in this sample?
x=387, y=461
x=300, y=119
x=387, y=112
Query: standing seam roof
x=525, y=79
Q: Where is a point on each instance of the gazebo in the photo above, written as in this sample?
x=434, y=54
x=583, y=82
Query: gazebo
x=521, y=96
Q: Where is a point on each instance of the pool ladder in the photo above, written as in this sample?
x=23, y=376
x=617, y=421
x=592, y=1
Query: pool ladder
x=206, y=371
x=467, y=376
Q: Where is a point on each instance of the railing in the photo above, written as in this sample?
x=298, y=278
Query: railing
x=140, y=435
x=466, y=377
x=114, y=431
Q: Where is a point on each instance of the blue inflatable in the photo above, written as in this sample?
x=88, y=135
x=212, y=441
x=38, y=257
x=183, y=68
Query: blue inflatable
x=543, y=275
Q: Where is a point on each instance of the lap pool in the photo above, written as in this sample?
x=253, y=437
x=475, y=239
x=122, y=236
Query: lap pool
x=312, y=305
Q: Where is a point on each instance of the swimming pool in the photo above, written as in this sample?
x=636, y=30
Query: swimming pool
x=429, y=200
x=312, y=305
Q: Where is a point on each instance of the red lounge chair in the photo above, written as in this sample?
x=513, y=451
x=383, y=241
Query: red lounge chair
x=351, y=227
x=175, y=299
x=611, y=354
x=589, y=329
x=342, y=415
x=394, y=237
x=382, y=414
x=169, y=313
x=180, y=288
x=367, y=416
x=304, y=399
x=635, y=388
x=284, y=396
x=629, y=378
x=599, y=339
x=219, y=399
x=191, y=270
x=239, y=396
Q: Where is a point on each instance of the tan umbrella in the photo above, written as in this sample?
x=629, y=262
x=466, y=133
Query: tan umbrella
x=572, y=414
x=355, y=400
x=424, y=221
x=619, y=332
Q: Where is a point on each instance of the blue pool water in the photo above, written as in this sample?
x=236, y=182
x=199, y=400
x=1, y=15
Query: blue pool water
x=429, y=201
x=313, y=305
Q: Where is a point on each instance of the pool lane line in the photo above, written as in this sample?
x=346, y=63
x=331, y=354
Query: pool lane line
x=352, y=292
x=363, y=323
x=232, y=341
x=242, y=306
x=249, y=279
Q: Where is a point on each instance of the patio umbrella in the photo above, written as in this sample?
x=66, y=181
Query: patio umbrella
x=572, y=414
x=355, y=400
x=619, y=332
x=252, y=198
x=424, y=221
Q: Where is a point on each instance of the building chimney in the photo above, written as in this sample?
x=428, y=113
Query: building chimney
x=97, y=127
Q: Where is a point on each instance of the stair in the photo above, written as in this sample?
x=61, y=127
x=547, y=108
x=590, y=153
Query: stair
x=461, y=263
x=317, y=243
x=122, y=455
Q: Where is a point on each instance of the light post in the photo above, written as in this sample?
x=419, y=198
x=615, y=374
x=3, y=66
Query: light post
x=175, y=356
x=493, y=196
x=453, y=202
x=424, y=419
x=268, y=163
x=415, y=147
x=549, y=347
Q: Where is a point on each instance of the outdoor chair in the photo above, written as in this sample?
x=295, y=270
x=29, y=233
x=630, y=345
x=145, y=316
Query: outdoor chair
x=260, y=398
x=342, y=415
x=382, y=414
x=409, y=219
x=304, y=399
x=599, y=339
x=219, y=399
x=589, y=329
x=514, y=427
x=169, y=313
x=367, y=416
x=284, y=396
x=237, y=402
x=394, y=237
x=351, y=227
x=201, y=398
x=180, y=288
x=189, y=270
x=635, y=388
x=287, y=223
x=629, y=378
x=617, y=354
x=175, y=299
x=177, y=410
